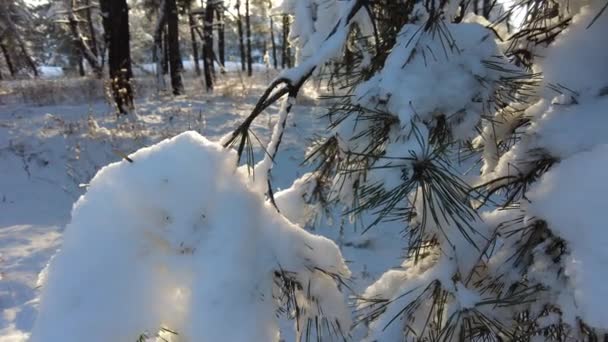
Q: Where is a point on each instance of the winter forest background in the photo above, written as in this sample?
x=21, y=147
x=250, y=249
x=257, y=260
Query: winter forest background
x=303, y=170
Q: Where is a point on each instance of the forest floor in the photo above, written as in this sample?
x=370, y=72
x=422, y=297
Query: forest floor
x=56, y=135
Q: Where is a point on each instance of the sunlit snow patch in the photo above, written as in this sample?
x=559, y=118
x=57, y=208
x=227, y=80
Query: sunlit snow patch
x=177, y=239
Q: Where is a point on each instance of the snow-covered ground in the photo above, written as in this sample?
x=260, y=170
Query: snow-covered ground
x=48, y=154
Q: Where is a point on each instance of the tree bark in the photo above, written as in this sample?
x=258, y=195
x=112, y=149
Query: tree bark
x=285, y=48
x=273, y=43
x=208, y=44
x=115, y=15
x=221, y=43
x=239, y=21
x=91, y=25
x=165, y=51
x=84, y=51
x=81, y=65
x=175, y=58
x=192, y=24
x=248, y=27
x=158, y=53
x=9, y=61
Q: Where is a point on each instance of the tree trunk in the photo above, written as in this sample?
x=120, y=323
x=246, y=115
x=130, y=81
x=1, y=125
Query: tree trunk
x=82, y=48
x=239, y=21
x=273, y=43
x=9, y=61
x=28, y=58
x=116, y=33
x=248, y=24
x=285, y=49
x=221, y=43
x=192, y=24
x=158, y=53
x=81, y=65
x=165, y=51
x=91, y=25
x=175, y=58
x=208, y=44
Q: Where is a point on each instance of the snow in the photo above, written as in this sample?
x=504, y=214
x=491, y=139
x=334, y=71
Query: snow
x=47, y=71
x=314, y=20
x=426, y=76
x=578, y=107
x=569, y=198
x=180, y=257
x=293, y=202
x=445, y=71
x=62, y=146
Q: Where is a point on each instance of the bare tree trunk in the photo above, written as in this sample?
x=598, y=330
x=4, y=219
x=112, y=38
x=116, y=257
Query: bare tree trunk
x=248, y=27
x=192, y=24
x=28, y=58
x=239, y=21
x=285, y=48
x=175, y=58
x=165, y=50
x=272, y=42
x=116, y=33
x=9, y=61
x=221, y=43
x=158, y=53
x=81, y=65
x=91, y=25
x=208, y=44
x=81, y=45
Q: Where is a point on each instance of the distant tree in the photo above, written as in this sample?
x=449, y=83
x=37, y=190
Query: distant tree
x=248, y=28
x=208, y=44
x=115, y=14
x=221, y=40
x=7, y=59
x=158, y=52
x=273, y=43
x=175, y=58
x=91, y=27
x=239, y=22
x=192, y=24
x=285, y=48
x=15, y=21
x=85, y=50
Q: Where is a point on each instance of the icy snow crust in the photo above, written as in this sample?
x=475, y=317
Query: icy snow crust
x=177, y=239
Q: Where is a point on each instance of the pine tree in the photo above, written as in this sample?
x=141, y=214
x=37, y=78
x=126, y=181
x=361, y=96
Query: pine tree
x=433, y=90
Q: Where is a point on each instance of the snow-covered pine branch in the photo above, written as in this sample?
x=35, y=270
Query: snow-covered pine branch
x=497, y=255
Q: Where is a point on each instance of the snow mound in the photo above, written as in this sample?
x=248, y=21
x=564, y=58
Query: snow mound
x=177, y=239
x=570, y=197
